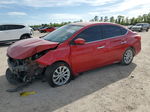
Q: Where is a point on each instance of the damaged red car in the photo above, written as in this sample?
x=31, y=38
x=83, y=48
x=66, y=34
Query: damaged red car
x=70, y=50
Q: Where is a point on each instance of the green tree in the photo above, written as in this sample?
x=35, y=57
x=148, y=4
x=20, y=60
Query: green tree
x=101, y=19
x=145, y=18
x=133, y=21
x=112, y=19
x=120, y=19
x=105, y=18
x=96, y=18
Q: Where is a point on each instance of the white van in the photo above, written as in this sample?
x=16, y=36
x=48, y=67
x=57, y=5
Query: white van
x=14, y=32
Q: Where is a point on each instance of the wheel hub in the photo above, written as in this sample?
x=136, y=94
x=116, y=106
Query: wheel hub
x=61, y=75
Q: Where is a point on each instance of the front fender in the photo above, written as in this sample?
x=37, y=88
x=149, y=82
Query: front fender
x=59, y=54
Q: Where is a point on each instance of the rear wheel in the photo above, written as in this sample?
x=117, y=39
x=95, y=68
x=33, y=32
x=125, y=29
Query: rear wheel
x=58, y=74
x=147, y=30
x=25, y=36
x=127, y=56
x=141, y=30
x=12, y=79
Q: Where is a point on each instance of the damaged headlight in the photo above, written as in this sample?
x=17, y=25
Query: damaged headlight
x=40, y=54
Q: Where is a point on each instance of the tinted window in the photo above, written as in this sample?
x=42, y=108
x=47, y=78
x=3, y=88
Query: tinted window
x=113, y=31
x=123, y=31
x=91, y=34
x=1, y=27
x=11, y=27
x=18, y=26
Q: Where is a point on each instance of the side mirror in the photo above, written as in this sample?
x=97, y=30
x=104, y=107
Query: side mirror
x=79, y=41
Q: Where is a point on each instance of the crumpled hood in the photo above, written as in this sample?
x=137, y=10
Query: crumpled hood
x=28, y=47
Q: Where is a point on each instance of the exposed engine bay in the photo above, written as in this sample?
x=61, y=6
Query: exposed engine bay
x=25, y=70
x=23, y=67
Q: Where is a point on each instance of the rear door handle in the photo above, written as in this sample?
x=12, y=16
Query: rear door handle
x=123, y=42
x=100, y=47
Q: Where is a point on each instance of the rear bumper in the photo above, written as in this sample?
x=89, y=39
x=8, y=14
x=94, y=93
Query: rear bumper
x=137, y=48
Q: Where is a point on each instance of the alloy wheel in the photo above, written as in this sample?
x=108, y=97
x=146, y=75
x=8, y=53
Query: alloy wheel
x=61, y=75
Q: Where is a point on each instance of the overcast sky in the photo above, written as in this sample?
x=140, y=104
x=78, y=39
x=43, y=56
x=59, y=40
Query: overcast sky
x=46, y=11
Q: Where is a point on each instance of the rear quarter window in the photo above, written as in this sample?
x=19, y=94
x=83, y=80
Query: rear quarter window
x=123, y=31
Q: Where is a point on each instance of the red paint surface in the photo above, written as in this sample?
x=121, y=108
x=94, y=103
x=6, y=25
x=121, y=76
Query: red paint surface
x=28, y=47
x=79, y=57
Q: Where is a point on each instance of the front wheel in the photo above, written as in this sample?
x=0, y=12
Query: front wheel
x=127, y=56
x=12, y=79
x=58, y=74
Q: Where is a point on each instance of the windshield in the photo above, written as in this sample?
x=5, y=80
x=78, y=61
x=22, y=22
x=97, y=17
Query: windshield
x=62, y=33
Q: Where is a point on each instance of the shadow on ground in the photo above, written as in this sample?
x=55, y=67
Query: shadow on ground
x=5, y=44
x=50, y=99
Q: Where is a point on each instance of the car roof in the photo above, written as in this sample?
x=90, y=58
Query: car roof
x=142, y=23
x=93, y=23
x=13, y=24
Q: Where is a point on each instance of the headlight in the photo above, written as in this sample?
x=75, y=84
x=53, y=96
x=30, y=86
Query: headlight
x=40, y=54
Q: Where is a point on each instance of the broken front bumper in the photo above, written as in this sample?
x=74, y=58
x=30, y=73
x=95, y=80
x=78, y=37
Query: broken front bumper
x=26, y=65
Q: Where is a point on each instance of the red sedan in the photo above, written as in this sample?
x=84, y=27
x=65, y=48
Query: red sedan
x=70, y=50
x=46, y=29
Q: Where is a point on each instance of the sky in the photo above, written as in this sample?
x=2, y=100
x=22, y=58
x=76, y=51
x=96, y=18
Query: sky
x=33, y=12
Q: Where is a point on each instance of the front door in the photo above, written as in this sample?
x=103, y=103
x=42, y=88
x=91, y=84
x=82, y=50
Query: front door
x=88, y=56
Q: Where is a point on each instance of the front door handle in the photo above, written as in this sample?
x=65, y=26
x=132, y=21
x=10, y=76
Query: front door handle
x=123, y=42
x=100, y=47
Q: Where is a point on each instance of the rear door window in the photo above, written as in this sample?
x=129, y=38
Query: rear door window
x=110, y=31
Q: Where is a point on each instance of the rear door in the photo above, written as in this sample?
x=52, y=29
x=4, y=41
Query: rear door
x=16, y=31
x=118, y=41
x=6, y=33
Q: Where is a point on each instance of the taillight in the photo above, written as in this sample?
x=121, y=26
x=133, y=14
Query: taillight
x=138, y=37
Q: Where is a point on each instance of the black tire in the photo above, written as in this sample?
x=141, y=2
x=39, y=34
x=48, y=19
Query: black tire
x=51, y=72
x=147, y=30
x=41, y=31
x=25, y=37
x=12, y=79
x=124, y=57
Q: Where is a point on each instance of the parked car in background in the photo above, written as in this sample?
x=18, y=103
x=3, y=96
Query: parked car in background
x=41, y=27
x=14, y=32
x=70, y=50
x=129, y=26
x=34, y=28
x=46, y=29
x=140, y=27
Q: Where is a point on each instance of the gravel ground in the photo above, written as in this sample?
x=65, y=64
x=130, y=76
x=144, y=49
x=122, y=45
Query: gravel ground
x=114, y=88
